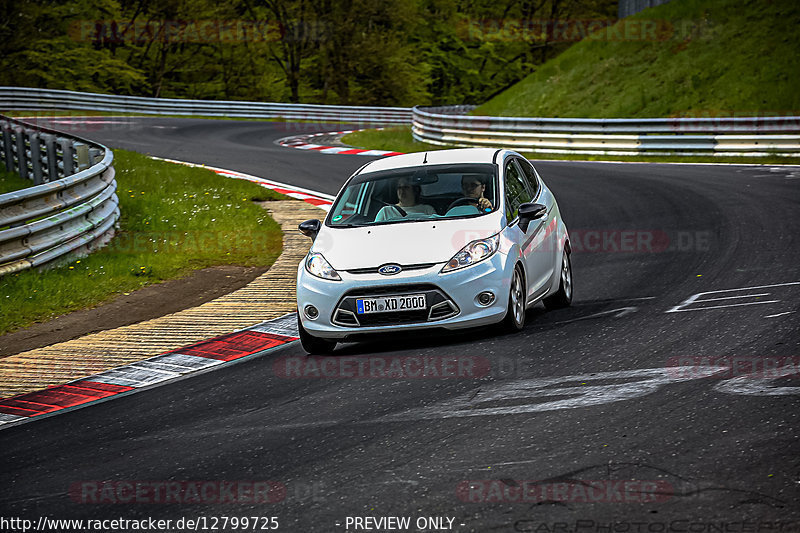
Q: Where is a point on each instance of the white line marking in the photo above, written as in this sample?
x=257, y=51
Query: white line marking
x=8, y=419
x=194, y=362
x=285, y=325
x=374, y=152
x=250, y=177
x=622, y=311
x=758, y=387
x=484, y=401
x=779, y=314
x=131, y=376
x=731, y=297
x=695, y=297
x=335, y=150
x=721, y=306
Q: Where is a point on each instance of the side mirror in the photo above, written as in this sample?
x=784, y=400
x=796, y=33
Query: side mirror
x=530, y=211
x=310, y=228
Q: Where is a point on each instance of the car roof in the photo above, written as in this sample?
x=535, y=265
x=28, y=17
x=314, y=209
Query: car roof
x=434, y=157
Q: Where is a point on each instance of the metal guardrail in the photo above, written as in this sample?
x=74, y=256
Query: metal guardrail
x=21, y=98
x=734, y=136
x=72, y=206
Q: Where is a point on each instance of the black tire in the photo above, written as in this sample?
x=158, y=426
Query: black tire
x=314, y=345
x=515, y=313
x=563, y=297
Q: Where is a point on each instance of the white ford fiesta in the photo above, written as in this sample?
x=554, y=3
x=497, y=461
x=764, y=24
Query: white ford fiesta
x=445, y=239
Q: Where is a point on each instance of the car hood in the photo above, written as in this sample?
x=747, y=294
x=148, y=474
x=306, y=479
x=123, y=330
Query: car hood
x=406, y=243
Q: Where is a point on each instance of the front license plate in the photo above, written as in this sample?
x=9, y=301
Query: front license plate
x=390, y=304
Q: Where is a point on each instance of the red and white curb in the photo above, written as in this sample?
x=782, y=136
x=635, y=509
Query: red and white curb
x=169, y=366
x=319, y=199
x=301, y=142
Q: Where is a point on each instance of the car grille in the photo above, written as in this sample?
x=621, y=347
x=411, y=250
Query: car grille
x=374, y=270
x=440, y=306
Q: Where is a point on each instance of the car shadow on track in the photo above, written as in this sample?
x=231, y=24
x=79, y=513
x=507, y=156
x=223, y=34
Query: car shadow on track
x=421, y=340
x=537, y=321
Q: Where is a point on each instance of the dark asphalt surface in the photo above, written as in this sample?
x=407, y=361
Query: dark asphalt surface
x=721, y=454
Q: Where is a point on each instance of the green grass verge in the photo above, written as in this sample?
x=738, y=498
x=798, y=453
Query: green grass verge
x=174, y=219
x=693, y=58
x=400, y=140
x=11, y=181
x=394, y=139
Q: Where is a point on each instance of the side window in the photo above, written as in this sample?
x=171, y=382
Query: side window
x=530, y=176
x=516, y=191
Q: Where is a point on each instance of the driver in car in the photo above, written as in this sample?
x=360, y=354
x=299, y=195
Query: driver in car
x=408, y=200
x=473, y=187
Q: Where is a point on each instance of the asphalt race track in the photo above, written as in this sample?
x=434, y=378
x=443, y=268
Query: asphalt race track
x=629, y=385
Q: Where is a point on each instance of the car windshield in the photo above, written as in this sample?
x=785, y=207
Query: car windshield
x=412, y=194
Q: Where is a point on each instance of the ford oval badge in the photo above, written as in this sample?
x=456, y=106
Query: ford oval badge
x=389, y=270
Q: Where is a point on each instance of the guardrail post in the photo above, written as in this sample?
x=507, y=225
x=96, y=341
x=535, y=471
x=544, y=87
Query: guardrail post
x=52, y=157
x=95, y=156
x=82, y=156
x=36, y=159
x=8, y=150
x=22, y=160
x=67, y=157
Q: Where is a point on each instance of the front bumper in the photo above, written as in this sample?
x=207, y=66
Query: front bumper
x=455, y=307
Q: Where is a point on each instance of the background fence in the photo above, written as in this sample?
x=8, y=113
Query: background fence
x=733, y=136
x=21, y=98
x=71, y=206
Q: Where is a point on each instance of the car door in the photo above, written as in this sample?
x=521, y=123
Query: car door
x=542, y=195
x=531, y=242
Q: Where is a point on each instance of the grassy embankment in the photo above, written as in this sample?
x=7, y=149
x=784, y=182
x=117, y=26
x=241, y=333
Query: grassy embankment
x=10, y=181
x=174, y=219
x=686, y=58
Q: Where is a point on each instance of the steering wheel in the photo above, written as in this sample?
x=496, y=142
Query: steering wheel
x=399, y=209
x=463, y=200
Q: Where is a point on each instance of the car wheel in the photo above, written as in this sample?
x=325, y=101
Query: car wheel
x=515, y=314
x=314, y=345
x=563, y=297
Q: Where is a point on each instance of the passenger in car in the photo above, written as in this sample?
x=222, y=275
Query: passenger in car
x=408, y=199
x=473, y=186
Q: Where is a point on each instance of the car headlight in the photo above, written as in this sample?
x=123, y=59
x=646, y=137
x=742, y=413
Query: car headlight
x=316, y=265
x=474, y=252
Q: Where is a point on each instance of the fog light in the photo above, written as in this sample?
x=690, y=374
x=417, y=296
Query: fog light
x=485, y=298
x=311, y=312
